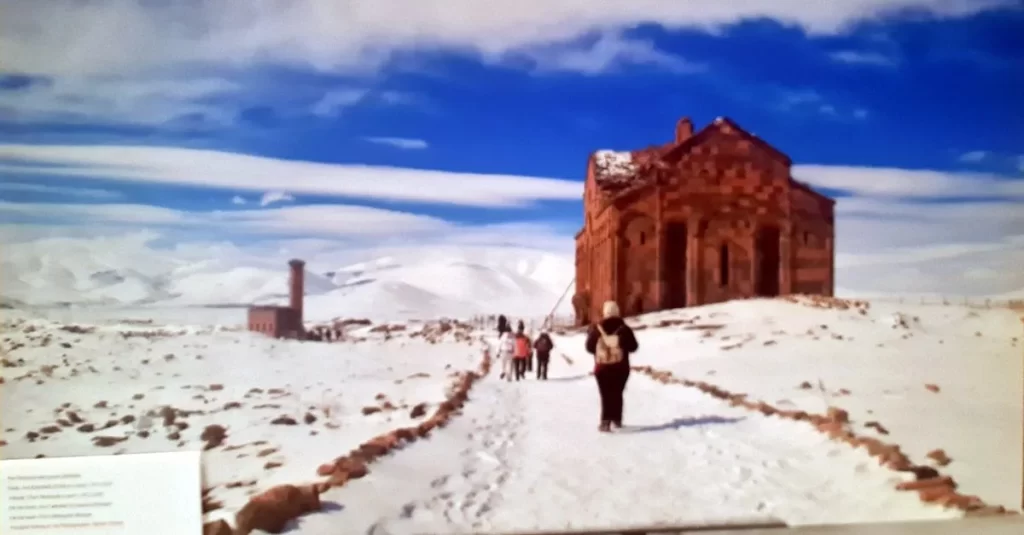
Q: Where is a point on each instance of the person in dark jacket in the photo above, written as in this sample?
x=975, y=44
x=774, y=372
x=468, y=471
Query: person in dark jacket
x=543, y=346
x=611, y=342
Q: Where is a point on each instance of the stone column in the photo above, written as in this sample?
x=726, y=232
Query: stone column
x=830, y=281
x=694, y=259
x=659, y=247
x=296, y=288
x=613, y=292
x=786, y=252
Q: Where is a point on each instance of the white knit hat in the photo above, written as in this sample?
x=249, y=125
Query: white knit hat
x=611, y=309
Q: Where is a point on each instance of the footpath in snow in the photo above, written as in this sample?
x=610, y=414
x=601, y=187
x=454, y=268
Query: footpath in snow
x=527, y=456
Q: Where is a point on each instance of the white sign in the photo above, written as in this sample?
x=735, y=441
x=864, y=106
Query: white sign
x=148, y=494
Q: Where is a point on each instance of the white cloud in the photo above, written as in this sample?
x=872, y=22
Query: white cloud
x=909, y=183
x=310, y=220
x=809, y=100
x=609, y=52
x=117, y=100
x=86, y=193
x=974, y=156
x=240, y=172
x=238, y=199
x=158, y=65
x=863, y=58
x=331, y=35
x=400, y=142
x=333, y=102
x=272, y=197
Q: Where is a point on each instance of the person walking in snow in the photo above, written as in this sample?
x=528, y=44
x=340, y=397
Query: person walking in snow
x=506, y=348
x=522, y=352
x=543, y=346
x=611, y=342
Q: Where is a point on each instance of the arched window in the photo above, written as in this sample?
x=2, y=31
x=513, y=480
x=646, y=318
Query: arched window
x=723, y=264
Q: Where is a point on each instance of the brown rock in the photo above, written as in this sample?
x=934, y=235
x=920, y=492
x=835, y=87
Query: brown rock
x=309, y=418
x=877, y=427
x=923, y=472
x=418, y=411
x=284, y=420
x=213, y=435
x=271, y=510
x=325, y=469
x=370, y=410
x=939, y=456
x=838, y=415
x=351, y=467
x=932, y=387
x=935, y=494
x=220, y=527
x=107, y=441
x=926, y=483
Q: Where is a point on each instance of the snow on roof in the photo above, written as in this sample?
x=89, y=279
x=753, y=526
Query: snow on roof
x=614, y=167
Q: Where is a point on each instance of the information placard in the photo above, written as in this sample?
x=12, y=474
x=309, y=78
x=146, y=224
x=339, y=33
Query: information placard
x=145, y=494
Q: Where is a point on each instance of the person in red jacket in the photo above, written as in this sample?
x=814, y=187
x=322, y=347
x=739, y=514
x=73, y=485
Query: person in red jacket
x=522, y=353
x=611, y=342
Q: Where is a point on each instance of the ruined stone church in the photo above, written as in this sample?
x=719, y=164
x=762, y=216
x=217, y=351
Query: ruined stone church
x=713, y=215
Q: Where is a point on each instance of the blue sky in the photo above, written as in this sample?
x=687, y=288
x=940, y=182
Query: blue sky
x=909, y=111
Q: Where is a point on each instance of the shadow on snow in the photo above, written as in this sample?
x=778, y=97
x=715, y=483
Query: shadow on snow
x=680, y=423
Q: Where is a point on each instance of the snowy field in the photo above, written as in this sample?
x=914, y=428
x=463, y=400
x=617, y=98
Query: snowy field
x=933, y=377
x=273, y=411
x=527, y=456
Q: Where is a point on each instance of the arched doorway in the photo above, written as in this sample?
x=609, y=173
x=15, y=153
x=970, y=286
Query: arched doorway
x=637, y=260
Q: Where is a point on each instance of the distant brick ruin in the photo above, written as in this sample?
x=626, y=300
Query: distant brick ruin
x=278, y=321
x=711, y=216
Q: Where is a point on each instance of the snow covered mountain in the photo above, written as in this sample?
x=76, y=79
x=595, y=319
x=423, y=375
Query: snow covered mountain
x=399, y=282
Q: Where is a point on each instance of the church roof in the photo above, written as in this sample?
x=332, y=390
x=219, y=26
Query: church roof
x=619, y=172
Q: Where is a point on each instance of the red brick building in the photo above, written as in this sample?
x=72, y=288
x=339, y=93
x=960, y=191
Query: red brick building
x=713, y=215
x=279, y=321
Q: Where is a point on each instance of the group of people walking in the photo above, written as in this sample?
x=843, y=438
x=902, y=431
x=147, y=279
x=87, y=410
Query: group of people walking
x=610, y=341
x=517, y=351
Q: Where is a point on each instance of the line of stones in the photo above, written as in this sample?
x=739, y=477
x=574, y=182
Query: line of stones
x=272, y=509
x=931, y=486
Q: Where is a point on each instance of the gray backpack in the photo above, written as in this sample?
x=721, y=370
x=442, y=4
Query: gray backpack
x=608, y=349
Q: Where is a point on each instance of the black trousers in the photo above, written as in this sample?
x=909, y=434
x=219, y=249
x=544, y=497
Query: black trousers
x=529, y=363
x=611, y=383
x=519, y=366
x=542, y=366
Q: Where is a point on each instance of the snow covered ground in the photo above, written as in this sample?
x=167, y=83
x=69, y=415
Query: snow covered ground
x=875, y=365
x=527, y=455
x=284, y=407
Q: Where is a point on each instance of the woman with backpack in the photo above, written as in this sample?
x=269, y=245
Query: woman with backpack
x=543, y=346
x=522, y=352
x=611, y=341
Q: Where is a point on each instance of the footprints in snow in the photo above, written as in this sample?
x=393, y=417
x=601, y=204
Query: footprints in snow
x=466, y=498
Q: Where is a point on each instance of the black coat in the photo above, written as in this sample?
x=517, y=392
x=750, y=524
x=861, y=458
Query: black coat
x=627, y=338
